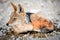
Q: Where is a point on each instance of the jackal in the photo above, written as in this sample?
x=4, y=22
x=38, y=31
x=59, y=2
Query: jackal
x=19, y=24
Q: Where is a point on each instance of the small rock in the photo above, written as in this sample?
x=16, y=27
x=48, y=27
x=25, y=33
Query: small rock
x=12, y=37
x=1, y=33
x=18, y=38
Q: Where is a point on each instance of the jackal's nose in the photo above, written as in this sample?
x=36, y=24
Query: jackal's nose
x=7, y=24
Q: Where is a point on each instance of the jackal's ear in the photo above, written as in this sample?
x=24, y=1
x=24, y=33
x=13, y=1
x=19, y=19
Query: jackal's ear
x=14, y=6
x=21, y=9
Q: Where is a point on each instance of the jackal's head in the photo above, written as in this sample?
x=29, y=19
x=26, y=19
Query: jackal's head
x=17, y=15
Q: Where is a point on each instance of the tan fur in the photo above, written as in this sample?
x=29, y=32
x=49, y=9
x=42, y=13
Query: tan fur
x=40, y=22
x=18, y=22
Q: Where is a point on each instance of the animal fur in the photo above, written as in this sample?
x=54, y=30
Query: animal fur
x=19, y=24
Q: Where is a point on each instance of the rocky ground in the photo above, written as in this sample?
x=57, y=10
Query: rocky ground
x=51, y=7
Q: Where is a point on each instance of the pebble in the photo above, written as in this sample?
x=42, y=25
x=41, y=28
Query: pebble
x=1, y=33
x=18, y=38
x=12, y=37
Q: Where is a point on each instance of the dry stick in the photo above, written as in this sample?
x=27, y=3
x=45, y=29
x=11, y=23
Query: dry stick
x=46, y=35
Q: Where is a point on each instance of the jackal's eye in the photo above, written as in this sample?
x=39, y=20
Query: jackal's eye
x=14, y=18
